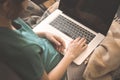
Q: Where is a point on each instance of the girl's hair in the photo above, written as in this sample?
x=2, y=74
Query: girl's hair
x=15, y=7
x=13, y=1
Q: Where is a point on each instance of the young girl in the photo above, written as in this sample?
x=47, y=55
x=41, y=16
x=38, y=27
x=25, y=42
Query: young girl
x=31, y=56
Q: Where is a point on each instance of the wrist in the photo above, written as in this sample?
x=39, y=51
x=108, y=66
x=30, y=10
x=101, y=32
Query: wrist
x=41, y=34
x=69, y=57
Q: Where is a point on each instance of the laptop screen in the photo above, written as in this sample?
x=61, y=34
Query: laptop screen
x=95, y=14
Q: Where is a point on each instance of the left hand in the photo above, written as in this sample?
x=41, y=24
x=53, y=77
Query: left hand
x=57, y=41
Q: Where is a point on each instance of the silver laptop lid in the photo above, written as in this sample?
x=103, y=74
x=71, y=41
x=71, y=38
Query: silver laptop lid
x=95, y=14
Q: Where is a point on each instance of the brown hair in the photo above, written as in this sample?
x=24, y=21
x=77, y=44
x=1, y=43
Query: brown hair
x=15, y=8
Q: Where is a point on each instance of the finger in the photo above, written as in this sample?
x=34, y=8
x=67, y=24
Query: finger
x=61, y=41
x=60, y=49
x=56, y=42
x=77, y=39
x=82, y=41
x=85, y=46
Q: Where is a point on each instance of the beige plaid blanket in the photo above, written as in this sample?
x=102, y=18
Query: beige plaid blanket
x=104, y=61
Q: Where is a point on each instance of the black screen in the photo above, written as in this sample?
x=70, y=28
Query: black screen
x=95, y=14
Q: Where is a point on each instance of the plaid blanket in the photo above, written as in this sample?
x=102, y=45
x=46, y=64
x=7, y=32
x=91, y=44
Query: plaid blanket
x=36, y=13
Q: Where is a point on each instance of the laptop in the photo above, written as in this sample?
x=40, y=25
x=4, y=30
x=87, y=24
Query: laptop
x=85, y=18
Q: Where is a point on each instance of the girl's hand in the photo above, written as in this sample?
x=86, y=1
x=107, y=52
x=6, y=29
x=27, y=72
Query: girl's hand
x=76, y=47
x=56, y=40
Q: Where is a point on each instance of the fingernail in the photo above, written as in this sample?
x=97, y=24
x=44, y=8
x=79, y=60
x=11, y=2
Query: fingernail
x=59, y=44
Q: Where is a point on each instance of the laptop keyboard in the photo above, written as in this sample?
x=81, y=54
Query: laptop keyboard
x=71, y=29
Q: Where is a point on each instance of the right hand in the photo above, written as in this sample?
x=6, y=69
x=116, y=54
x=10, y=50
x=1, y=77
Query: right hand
x=76, y=47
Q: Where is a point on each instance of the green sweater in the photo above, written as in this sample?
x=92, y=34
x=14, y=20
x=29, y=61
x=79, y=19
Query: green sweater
x=26, y=53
